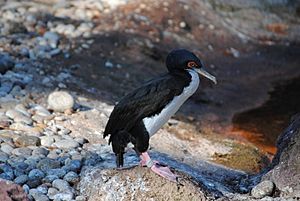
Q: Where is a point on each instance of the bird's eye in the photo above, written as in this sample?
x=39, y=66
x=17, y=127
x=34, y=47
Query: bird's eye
x=191, y=64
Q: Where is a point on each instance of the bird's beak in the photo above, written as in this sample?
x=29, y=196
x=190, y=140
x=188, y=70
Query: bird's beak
x=201, y=71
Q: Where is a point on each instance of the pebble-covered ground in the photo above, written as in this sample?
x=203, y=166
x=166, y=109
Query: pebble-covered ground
x=36, y=151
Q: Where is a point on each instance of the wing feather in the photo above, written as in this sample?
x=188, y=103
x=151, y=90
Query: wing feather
x=145, y=101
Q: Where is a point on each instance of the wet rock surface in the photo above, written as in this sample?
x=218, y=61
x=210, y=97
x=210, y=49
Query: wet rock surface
x=285, y=165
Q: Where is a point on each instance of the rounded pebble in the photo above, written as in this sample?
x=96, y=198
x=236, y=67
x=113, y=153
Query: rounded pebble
x=263, y=189
x=59, y=101
x=71, y=177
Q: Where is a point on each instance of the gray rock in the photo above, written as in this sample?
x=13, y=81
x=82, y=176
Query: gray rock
x=23, y=119
x=52, y=192
x=40, y=151
x=92, y=159
x=42, y=189
x=40, y=110
x=58, y=172
x=6, y=148
x=22, y=109
x=32, y=161
x=50, y=178
x=263, y=189
x=6, y=87
x=22, y=151
x=66, y=144
x=81, y=140
x=284, y=170
x=23, y=127
x=3, y=157
x=37, y=195
x=47, y=164
x=22, y=179
x=34, y=183
x=72, y=165
x=71, y=177
x=12, y=113
x=54, y=52
x=24, y=141
x=65, y=196
x=20, y=165
x=18, y=172
x=6, y=63
x=6, y=172
x=38, y=118
x=36, y=174
x=47, y=140
x=61, y=185
x=13, y=160
x=16, y=91
x=52, y=38
x=60, y=101
x=80, y=198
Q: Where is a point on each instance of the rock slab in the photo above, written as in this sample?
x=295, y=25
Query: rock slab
x=136, y=183
x=285, y=169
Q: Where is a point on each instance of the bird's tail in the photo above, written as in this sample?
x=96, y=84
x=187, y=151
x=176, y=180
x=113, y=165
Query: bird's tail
x=119, y=142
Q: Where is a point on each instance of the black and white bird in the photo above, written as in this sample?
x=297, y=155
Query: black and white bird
x=141, y=113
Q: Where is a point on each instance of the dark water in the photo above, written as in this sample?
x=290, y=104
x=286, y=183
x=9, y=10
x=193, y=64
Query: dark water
x=268, y=121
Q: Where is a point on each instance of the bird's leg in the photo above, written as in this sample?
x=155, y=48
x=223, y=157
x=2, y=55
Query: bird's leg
x=157, y=168
x=119, y=160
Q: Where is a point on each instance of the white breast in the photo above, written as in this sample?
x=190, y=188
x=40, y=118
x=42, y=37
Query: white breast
x=154, y=123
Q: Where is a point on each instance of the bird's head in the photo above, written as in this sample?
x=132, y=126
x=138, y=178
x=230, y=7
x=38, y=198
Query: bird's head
x=182, y=59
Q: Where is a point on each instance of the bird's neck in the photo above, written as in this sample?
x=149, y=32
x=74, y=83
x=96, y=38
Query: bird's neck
x=182, y=75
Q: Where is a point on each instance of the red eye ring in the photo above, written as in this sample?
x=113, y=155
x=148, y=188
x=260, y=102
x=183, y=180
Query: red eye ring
x=191, y=64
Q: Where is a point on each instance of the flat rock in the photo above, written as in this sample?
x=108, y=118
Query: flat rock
x=22, y=151
x=24, y=141
x=137, y=184
x=66, y=144
x=6, y=148
x=47, y=164
x=59, y=101
x=26, y=128
x=22, y=179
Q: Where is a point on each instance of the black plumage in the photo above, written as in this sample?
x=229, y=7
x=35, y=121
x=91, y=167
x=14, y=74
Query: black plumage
x=126, y=120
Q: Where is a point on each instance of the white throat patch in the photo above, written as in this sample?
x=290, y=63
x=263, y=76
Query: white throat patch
x=154, y=123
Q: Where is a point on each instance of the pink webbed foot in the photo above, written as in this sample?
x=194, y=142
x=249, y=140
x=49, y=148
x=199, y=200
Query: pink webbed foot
x=157, y=168
x=164, y=172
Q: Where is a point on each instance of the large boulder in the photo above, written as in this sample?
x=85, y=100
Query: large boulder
x=136, y=183
x=285, y=168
